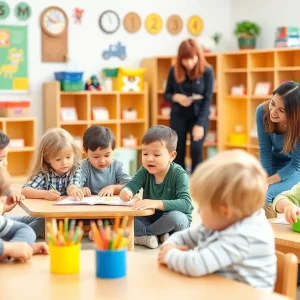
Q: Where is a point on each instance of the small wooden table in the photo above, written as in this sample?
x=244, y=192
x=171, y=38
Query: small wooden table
x=286, y=240
x=145, y=280
x=46, y=209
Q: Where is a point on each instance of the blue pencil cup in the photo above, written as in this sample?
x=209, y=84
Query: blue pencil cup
x=111, y=264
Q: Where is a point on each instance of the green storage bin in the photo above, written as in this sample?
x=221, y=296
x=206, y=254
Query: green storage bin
x=71, y=86
x=110, y=72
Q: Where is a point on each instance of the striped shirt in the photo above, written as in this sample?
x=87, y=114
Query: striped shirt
x=13, y=231
x=46, y=181
x=245, y=252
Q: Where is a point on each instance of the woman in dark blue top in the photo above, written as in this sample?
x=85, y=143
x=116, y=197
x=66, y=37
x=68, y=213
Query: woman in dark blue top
x=278, y=128
x=189, y=90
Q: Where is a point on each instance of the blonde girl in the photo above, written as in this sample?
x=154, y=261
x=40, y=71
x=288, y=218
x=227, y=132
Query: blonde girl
x=55, y=168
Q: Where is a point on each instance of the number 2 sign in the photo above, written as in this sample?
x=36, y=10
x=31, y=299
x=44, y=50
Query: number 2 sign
x=154, y=23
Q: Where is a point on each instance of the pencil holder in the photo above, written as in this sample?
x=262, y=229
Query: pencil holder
x=111, y=264
x=65, y=260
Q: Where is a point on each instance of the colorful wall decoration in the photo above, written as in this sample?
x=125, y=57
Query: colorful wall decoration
x=13, y=58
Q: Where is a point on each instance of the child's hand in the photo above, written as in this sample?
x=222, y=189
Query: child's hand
x=40, y=248
x=125, y=195
x=291, y=212
x=12, y=200
x=107, y=191
x=86, y=191
x=76, y=193
x=52, y=195
x=145, y=204
x=18, y=250
x=165, y=249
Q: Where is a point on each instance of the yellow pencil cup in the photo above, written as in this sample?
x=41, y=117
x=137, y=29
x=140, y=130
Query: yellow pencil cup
x=65, y=260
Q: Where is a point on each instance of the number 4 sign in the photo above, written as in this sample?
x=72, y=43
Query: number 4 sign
x=195, y=25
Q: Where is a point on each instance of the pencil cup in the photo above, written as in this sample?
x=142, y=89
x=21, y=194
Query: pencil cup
x=65, y=260
x=111, y=264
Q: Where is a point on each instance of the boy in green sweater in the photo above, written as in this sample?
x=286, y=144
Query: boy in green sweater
x=288, y=203
x=165, y=188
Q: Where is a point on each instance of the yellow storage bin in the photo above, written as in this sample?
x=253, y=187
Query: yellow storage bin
x=129, y=80
x=238, y=139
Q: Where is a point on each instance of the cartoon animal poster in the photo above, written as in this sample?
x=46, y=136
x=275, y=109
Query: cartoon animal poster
x=13, y=58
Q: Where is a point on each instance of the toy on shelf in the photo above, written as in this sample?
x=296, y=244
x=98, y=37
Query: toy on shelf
x=14, y=109
x=238, y=90
x=115, y=50
x=70, y=81
x=238, y=137
x=129, y=141
x=109, y=74
x=211, y=137
x=211, y=151
x=129, y=114
x=212, y=111
x=93, y=84
x=129, y=80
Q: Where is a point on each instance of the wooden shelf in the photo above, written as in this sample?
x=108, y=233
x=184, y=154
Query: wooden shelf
x=261, y=96
x=253, y=147
x=214, y=118
x=297, y=68
x=161, y=117
x=24, y=149
x=85, y=101
x=261, y=69
x=208, y=144
x=243, y=97
x=236, y=146
x=236, y=70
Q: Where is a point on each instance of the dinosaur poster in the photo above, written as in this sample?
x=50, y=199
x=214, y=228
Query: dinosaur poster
x=13, y=58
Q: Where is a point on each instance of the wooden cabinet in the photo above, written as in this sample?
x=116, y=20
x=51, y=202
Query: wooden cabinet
x=249, y=68
x=85, y=101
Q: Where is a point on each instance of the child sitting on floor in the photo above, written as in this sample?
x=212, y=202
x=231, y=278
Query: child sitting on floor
x=235, y=240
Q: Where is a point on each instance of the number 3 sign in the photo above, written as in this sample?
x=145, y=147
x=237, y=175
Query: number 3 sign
x=154, y=23
x=174, y=24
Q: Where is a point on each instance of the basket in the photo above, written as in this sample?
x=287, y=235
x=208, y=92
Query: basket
x=68, y=76
x=71, y=86
x=110, y=72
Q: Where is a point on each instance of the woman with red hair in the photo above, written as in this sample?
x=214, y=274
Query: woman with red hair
x=189, y=90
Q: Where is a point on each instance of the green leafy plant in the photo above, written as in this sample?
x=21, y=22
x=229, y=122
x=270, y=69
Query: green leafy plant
x=217, y=37
x=247, y=28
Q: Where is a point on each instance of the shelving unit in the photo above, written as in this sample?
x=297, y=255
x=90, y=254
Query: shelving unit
x=156, y=75
x=19, y=158
x=84, y=102
x=250, y=67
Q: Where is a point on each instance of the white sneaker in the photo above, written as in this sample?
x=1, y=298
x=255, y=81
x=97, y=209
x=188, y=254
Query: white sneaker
x=163, y=237
x=149, y=241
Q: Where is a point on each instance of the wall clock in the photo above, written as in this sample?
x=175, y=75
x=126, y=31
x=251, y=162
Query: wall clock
x=54, y=27
x=132, y=22
x=109, y=21
x=174, y=24
x=195, y=25
x=154, y=23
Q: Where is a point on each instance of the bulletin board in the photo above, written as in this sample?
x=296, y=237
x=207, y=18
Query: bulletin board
x=13, y=58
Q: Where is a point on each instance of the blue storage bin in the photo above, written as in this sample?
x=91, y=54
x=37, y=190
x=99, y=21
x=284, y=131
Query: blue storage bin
x=68, y=76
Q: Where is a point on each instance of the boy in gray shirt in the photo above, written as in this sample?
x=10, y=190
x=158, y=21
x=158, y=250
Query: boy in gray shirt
x=101, y=174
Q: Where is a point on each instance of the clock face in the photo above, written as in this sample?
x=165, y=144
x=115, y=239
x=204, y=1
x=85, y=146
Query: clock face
x=54, y=21
x=109, y=21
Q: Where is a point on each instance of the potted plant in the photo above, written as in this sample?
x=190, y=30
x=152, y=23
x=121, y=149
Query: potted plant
x=247, y=31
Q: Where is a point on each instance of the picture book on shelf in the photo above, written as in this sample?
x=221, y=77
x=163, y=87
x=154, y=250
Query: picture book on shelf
x=94, y=200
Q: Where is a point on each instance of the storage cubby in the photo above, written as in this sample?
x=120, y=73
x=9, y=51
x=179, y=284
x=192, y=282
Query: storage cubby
x=212, y=60
x=79, y=101
x=260, y=60
x=133, y=101
x=163, y=65
x=253, y=104
x=109, y=101
x=18, y=163
x=235, y=61
x=133, y=130
x=234, y=79
x=287, y=76
x=288, y=58
x=115, y=102
x=257, y=77
x=21, y=130
x=235, y=114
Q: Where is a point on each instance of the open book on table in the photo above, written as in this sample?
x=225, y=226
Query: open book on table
x=94, y=200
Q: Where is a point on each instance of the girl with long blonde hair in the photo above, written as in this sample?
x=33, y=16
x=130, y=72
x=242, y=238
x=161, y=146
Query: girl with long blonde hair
x=55, y=168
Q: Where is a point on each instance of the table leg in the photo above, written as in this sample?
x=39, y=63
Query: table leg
x=131, y=236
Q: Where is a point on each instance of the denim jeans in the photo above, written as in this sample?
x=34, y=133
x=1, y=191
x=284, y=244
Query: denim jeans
x=157, y=224
x=37, y=224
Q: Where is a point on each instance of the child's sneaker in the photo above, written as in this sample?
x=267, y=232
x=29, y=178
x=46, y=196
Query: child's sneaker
x=91, y=237
x=149, y=241
x=163, y=237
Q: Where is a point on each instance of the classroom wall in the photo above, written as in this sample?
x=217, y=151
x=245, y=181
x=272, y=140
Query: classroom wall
x=269, y=14
x=86, y=41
